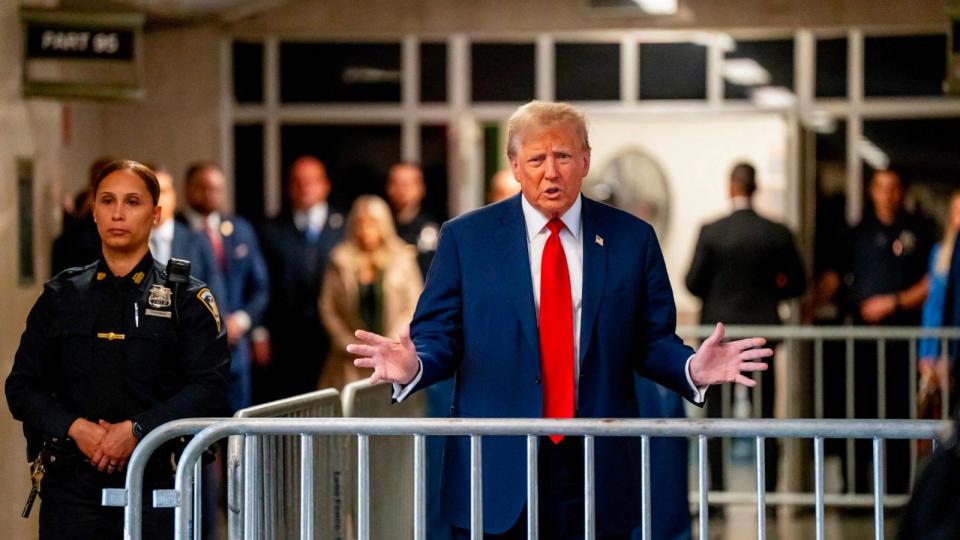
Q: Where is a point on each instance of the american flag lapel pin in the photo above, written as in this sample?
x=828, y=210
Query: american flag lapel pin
x=599, y=240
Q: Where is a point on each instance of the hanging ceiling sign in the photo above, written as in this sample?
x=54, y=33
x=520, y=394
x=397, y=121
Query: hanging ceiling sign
x=82, y=55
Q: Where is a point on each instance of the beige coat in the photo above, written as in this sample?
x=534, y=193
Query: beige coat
x=339, y=306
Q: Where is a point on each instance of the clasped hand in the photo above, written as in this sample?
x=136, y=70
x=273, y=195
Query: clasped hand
x=107, y=446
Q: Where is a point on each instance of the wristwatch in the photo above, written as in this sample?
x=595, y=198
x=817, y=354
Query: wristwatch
x=137, y=430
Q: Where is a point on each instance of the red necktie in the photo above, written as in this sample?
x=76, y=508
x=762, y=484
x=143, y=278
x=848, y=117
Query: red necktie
x=556, y=329
x=216, y=242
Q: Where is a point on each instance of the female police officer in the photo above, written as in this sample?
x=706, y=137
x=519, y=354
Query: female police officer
x=111, y=351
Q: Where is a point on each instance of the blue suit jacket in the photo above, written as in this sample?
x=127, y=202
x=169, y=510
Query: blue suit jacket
x=195, y=248
x=476, y=319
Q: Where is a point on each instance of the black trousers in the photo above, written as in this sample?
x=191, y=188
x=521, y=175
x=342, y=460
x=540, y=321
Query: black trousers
x=865, y=399
x=714, y=409
x=70, y=509
x=560, y=484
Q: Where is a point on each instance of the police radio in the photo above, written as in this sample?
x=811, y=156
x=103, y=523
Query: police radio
x=178, y=271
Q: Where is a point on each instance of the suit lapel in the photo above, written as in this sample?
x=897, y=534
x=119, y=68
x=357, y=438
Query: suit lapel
x=512, y=253
x=594, y=272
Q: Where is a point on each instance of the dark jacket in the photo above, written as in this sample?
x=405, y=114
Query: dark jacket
x=100, y=347
x=743, y=266
x=477, y=320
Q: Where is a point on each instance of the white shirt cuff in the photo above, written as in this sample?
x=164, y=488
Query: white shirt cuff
x=401, y=391
x=699, y=392
x=243, y=318
x=260, y=334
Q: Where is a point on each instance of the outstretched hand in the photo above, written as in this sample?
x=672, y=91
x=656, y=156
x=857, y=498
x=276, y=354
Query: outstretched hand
x=391, y=361
x=717, y=362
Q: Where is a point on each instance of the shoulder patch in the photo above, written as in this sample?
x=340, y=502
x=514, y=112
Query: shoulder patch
x=207, y=299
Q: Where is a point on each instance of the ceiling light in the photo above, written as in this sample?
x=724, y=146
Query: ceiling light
x=745, y=72
x=658, y=7
x=778, y=97
x=872, y=154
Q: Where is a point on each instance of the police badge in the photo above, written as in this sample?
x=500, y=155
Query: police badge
x=160, y=297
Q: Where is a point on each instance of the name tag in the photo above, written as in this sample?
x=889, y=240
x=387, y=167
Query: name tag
x=158, y=313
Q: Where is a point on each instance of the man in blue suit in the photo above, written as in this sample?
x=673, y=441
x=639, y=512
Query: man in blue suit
x=545, y=305
x=296, y=246
x=240, y=264
x=171, y=239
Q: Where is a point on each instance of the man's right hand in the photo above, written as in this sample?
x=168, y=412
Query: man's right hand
x=391, y=361
x=86, y=435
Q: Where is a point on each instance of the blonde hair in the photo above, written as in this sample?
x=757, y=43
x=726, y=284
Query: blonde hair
x=378, y=209
x=541, y=114
x=942, y=264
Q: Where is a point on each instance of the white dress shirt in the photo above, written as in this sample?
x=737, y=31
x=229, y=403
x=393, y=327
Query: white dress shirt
x=571, y=238
x=161, y=241
x=313, y=218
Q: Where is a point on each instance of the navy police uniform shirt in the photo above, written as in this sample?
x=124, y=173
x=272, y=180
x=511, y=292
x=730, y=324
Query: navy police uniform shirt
x=136, y=347
x=885, y=259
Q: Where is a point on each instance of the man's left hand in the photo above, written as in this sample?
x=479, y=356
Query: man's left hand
x=115, y=448
x=717, y=362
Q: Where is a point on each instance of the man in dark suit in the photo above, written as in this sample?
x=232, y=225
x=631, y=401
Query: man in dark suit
x=240, y=264
x=296, y=246
x=405, y=192
x=744, y=265
x=171, y=239
x=594, y=278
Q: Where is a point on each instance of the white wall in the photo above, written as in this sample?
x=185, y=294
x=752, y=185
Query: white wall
x=696, y=154
x=27, y=130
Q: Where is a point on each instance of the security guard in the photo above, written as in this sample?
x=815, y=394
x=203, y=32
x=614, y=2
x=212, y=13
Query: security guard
x=111, y=351
x=879, y=277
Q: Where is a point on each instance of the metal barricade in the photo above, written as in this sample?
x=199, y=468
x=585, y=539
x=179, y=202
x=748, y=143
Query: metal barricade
x=389, y=459
x=130, y=497
x=793, y=339
x=273, y=472
x=256, y=429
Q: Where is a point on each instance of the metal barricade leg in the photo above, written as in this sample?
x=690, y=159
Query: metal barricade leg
x=306, y=487
x=878, y=490
x=251, y=485
x=363, y=487
x=589, y=511
x=419, y=488
x=761, y=490
x=818, y=484
x=198, y=500
x=645, y=486
x=476, y=488
x=702, y=475
x=533, y=489
x=850, y=413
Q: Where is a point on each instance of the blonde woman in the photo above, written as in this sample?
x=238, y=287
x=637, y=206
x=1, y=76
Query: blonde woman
x=372, y=282
x=932, y=366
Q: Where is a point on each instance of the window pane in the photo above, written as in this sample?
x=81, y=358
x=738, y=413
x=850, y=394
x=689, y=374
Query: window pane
x=356, y=157
x=248, y=171
x=433, y=72
x=905, y=65
x=339, y=72
x=503, y=71
x=248, y=72
x=433, y=159
x=775, y=56
x=831, y=208
x=587, y=71
x=924, y=150
x=832, y=67
x=673, y=71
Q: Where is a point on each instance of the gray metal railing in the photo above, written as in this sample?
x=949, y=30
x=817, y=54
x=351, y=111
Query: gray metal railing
x=130, y=497
x=256, y=428
x=278, y=470
x=792, y=337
